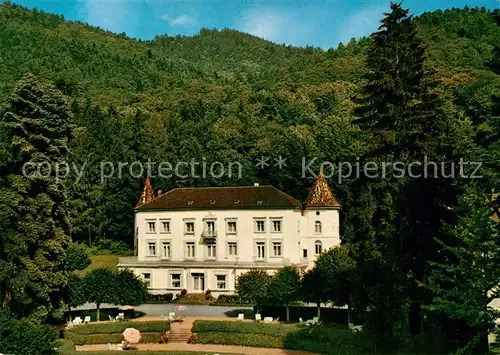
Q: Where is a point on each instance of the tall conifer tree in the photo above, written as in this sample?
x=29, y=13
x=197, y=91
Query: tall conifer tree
x=37, y=123
x=403, y=114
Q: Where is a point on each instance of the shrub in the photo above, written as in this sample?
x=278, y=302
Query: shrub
x=77, y=257
x=166, y=298
x=184, y=292
x=247, y=328
x=119, y=327
x=240, y=339
x=64, y=346
x=23, y=337
x=109, y=246
x=232, y=299
x=208, y=295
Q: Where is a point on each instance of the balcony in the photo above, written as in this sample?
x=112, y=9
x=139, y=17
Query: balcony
x=209, y=234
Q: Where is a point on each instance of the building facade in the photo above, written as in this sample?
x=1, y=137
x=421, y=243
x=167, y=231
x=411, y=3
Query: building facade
x=204, y=238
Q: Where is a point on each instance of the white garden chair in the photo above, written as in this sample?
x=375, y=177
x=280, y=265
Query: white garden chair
x=77, y=321
x=268, y=319
x=120, y=316
x=241, y=316
x=87, y=319
x=258, y=317
x=112, y=319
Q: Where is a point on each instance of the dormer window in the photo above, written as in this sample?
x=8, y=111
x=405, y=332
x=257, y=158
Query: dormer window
x=212, y=202
x=259, y=202
x=236, y=201
x=190, y=202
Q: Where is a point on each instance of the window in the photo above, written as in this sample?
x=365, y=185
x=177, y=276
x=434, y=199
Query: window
x=147, y=279
x=304, y=253
x=231, y=227
x=189, y=228
x=211, y=250
x=276, y=226
x=190, y=250
x=232, y=248
x=277, y=250
x=318, y=247
x=166, y=251
x=261, y=250
x=211, y=226
x=176, y=280
x=260, y=226
x=151, y=248
x=317, y=227
x=165, y=226
x=221, y=282
x=151, y=227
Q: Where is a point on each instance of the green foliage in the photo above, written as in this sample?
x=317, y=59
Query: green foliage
x=467, y=280
x=284, y=288
x=240, y=339
x=20, y=337
x=334, y=277
x=35, y=230
x=78, y=257
x=253, y=285
x=104, y=285
x=75, y=292
x=119, y=327
x=109, y=246
x=201, y=326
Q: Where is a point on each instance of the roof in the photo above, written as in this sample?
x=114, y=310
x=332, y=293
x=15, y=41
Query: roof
x=203, y=198
x=320, y=194
x=147, y=193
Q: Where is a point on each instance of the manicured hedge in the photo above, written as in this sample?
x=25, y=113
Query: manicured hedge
x=240, y=339
x=119, y=327
x=329, y=315
x=320, y=339
x=201, y=326
x=231, y=299
x=103, y=333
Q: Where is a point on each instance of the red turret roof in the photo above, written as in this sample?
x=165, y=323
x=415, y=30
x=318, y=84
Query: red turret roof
x=320, y=194
x=147, y=194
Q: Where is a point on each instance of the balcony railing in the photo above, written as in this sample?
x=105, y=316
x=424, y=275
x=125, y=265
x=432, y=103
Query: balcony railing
x=209, y=234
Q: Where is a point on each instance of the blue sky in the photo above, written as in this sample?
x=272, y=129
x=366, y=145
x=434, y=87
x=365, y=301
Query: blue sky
x=297, y=22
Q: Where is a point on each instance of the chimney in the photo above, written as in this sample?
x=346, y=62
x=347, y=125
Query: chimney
x=255, y=184
x=159, y=193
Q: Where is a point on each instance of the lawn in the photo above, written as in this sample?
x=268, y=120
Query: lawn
x=105, y=260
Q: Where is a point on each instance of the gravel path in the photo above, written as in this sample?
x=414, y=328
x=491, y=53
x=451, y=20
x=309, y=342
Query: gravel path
x=229, y=349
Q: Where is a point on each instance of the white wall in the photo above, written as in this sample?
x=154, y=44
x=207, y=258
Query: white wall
x=298, y=233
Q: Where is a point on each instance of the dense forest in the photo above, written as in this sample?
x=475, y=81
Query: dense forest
x=422, y=252
x=224, y=96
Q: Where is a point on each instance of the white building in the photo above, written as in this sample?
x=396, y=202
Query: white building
x=204, y=238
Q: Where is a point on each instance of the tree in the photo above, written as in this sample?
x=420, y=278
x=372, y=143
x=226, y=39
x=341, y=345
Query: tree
x=131, y=290
x=35, y=232
x=468, y=279
x=118, y=287
x=312, y=290
x=24, y=337
x=253, y=285
x=77, y=257
x=101, y=287
x=284, y=288
x=336, y=270
x=75, y=292
x=402, y=116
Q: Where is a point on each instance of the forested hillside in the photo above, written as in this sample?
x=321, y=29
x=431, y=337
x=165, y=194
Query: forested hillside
x=225, y=96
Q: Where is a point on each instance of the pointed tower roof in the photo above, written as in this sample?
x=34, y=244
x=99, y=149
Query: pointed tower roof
x=320, y=194
x=147, y=193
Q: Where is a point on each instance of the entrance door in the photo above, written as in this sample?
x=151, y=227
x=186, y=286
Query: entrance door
x=199, y=282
